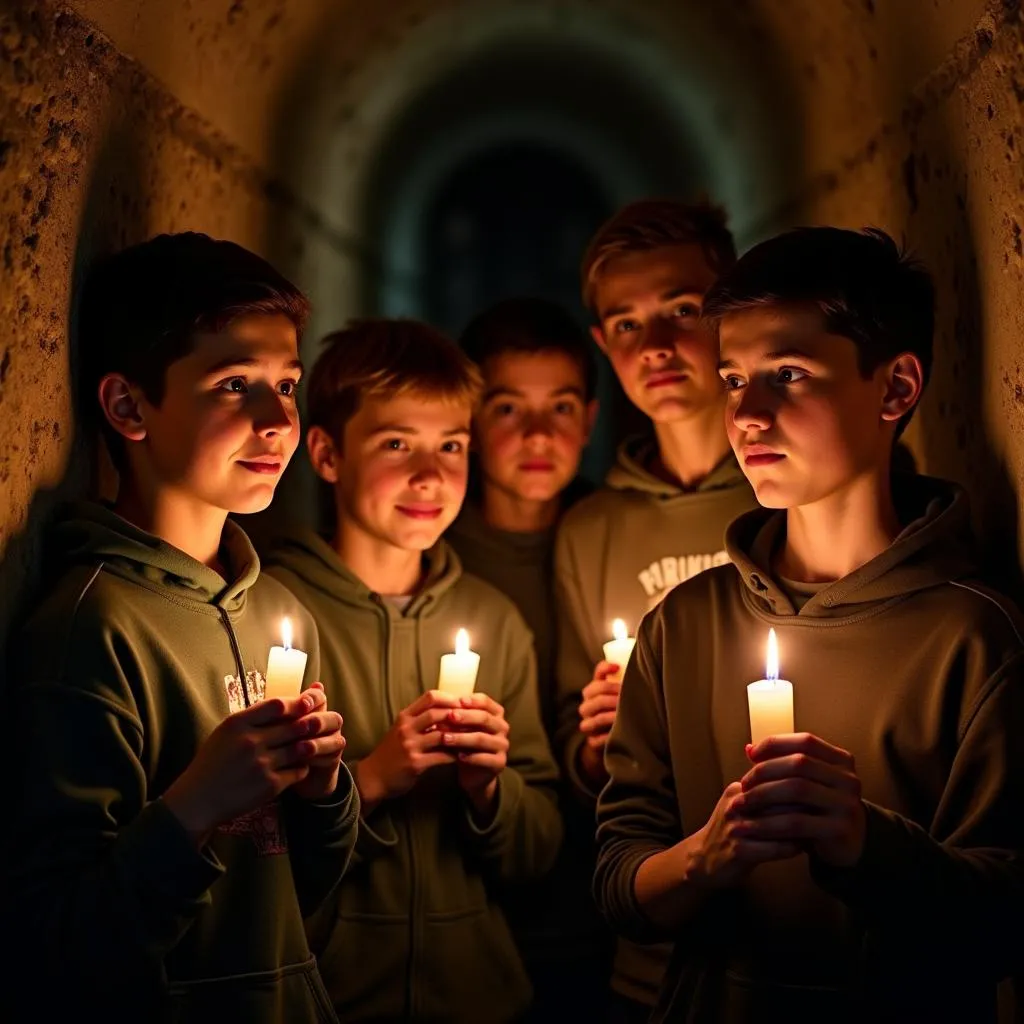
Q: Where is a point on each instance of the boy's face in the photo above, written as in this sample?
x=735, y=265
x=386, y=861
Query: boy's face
x=803, y=421
x=400, y=472
x=648, y=306
x=533, y=423
x=228, y=424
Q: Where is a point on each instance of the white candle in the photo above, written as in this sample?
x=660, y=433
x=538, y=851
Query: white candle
x=457, y=677
x=770, y=700
x=285, y=668
x=618, y=651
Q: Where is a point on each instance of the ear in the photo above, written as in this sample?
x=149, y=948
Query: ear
x=590, y=418
x=597, y=333
x=122, y=406
x=323, y=454
x=904, y=382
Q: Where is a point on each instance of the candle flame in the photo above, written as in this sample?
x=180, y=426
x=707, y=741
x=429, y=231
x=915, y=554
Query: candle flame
x=772, y=659
x=619, y=630
x=462, y=642
x=286, y=633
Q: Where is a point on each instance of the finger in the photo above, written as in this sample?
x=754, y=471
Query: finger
x=800, y=743
x=596, y=704
x=435, y=759
x=320, y=723
x=429, y=718
x=597, y=741
x=787, y=791
x=485, y=741
x=306, y=702
x=598, y=723
x=482, y=721
x=604, y=670
x=793, y=826
x=429, y=740
x=601, y=688
x=492, y=762
x=483, y=702
x=322, y=746
x=288, y=730
x=431, y=699
x=804, y=767
x=262, y=713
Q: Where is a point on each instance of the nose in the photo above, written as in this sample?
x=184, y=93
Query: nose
x=658, y=341
x=754, y=408
x=537, y=426
x=275, y=415
x=426, y=471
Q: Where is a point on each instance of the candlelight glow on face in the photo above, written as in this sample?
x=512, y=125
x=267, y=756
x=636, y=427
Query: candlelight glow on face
x=285, y=667
x=457, y=676
x=770, y=700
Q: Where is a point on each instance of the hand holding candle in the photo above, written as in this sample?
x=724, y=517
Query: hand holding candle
x=770, y=700
x=285, y=668
x=457, y=677
x=619, y=650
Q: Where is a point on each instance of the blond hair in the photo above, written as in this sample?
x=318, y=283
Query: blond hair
x=654, y=224
x=382, y=358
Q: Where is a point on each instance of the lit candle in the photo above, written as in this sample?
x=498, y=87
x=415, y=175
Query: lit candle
x=770, y=700
x=285, y=668
x=618, y=651
x=457, y=677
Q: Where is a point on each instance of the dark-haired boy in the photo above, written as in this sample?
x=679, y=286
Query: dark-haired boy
x=662, y=514
x=529, y=432
x=458, y=789
x=173, y=826
x=867, y=866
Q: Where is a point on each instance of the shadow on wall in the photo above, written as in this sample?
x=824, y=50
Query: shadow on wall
x=113, y=217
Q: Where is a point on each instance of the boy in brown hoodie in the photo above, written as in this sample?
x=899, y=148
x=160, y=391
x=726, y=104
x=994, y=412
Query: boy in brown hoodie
x=662, y=514
x=458, y=790
x=868, y=865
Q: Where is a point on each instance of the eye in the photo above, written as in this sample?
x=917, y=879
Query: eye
x=732, y=382
x=565, y=408
x=453, y=448
x=236, y=385
x=686, y=311
x=394, y=444
x=790, y=375
x=288, y=388
x=625, y=326
x=503, y=409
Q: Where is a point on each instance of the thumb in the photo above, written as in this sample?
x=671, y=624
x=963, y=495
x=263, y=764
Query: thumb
x=262, y=713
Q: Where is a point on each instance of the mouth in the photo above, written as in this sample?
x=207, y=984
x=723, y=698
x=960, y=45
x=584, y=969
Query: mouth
x=268, y=465
x=760, y=455
x=421, y=512
x=665, y=379
x=537, y=466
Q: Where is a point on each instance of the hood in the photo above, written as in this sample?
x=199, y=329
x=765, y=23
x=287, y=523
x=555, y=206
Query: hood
x=934, y=548
x=88, y=532
x=309, y=556
x=630, y=472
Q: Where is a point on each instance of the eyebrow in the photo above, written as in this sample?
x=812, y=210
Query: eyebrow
x=773, y=357
x=513, y=393
x=398, y=428
x=672, y=293
x=231, y=362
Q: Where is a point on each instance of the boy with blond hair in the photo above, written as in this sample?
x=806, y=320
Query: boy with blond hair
x=457, y=790
x=173, y=827
x=662, y=514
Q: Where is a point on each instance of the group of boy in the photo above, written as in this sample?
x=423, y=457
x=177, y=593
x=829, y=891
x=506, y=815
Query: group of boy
x=190, y=848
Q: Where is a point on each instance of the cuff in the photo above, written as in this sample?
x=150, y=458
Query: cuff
x=507, y=795
x=582, y=787
x=157, y=849
x=328, y=819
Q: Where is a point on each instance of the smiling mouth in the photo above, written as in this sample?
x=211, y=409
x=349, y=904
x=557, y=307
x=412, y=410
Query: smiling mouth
x=537, y=466
x=264, y=466
x=424, y=513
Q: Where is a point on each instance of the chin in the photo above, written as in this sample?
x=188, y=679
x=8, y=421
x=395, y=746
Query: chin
x=251, y=503
x=539, y=491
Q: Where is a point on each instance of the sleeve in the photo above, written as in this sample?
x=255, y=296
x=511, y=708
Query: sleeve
x=574, y=668
x=102, y=873
x=954, y=892
x=522, y=840
x=637, y=812
x=376, y=833
x=321, y=840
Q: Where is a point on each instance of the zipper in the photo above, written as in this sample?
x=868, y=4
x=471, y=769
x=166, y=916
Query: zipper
x=236, y=652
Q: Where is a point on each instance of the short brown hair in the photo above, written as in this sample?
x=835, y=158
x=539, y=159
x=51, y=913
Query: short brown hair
x=384, y=358
x=649, y=224
x=141, y=309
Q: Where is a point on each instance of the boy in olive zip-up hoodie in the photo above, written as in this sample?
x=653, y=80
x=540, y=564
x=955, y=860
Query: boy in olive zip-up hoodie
x=662, y=514
x=173, y=828
x=869, y=865
x=457, y=792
